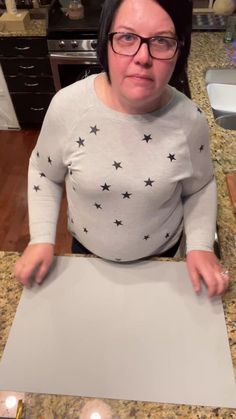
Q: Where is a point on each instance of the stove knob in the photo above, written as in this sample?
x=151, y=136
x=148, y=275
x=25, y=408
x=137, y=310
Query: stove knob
x=62, y=44
x=74, y=44
x=94, y=44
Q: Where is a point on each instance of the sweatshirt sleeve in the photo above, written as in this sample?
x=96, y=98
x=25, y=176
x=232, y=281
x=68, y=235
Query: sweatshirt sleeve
x=199, y=193
x=46, y=175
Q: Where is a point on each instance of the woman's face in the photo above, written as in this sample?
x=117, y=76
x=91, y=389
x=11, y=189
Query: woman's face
x=138, y=82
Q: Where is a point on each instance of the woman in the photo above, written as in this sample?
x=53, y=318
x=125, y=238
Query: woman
x=133, y=153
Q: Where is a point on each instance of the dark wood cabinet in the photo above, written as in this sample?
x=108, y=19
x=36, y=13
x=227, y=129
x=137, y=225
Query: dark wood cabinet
x=19, y=83
x=27, y=71
x=26, y=66
x=24, y=46
x=34, y=107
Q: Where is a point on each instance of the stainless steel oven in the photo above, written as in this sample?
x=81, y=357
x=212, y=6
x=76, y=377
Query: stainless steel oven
x=72, y=60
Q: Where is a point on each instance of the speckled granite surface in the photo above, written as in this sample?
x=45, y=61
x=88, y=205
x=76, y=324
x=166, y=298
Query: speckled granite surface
x=208, y=51
x=36, y=27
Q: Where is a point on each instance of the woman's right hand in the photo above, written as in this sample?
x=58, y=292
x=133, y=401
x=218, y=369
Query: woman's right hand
x=35, y=261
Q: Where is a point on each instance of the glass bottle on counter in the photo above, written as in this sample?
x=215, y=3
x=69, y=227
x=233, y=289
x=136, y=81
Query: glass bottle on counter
x=75, y=10
x=230, y=29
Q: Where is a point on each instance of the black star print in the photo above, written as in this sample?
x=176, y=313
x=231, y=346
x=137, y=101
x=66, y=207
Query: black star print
x=171, y=157
x=149, y=182
x=167, y=235
x=72, y=221
x=98, y=206
x=49, y=160
x=85, y=230
x=105, y=187
x=117, y=165
x=80, y=142
x=94, y=130
x=199, y=110
x=126, y=195
x=36, y=188
x=147, y=138
x=118, y=223
x=201, y=148
x=74, y=188
x=71, y=172
x=37, y=154
x=42, y=175
x=146, y=237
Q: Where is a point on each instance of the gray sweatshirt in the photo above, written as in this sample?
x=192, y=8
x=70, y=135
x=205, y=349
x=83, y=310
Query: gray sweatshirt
x=132, y=181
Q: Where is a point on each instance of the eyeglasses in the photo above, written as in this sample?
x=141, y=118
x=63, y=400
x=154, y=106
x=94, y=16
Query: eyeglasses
x=159, y=47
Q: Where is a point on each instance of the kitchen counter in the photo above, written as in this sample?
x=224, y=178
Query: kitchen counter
x=208, y=51
x=37, y=25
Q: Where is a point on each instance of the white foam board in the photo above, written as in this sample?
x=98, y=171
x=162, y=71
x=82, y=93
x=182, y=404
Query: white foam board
x=123, y=331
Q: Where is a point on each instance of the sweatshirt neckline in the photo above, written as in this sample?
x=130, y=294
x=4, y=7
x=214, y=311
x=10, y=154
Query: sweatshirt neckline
x=125, y=116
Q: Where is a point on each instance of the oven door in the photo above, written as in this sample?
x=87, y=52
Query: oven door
x=68, y=67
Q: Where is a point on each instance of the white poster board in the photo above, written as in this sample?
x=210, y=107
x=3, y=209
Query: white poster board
x=124, y=331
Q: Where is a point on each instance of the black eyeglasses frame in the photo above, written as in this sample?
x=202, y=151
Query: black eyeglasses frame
x=145, y=40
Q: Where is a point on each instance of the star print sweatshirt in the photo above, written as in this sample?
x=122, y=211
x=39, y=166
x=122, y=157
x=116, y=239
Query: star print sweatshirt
x=133, y=182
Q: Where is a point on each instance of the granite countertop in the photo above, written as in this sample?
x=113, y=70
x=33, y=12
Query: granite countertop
x=208, y=51
x=37, y=25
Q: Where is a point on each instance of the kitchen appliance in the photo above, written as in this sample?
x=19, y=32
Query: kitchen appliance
x=72, y=47
x=73, y=59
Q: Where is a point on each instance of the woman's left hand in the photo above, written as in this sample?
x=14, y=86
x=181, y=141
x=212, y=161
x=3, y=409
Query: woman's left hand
x=204, y=265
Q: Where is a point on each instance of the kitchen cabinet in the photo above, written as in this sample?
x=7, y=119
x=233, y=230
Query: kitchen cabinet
x=27, y=71
x=8, y=119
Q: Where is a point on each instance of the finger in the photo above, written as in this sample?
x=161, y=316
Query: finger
x=24, y=273
x=195, y=279
x=223, y=281
x=212, y=285
x=41, y=272
x=225, y=276
x=220, y=283
x=18, y=272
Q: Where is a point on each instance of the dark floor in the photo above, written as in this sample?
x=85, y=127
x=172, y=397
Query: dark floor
x=15, y=149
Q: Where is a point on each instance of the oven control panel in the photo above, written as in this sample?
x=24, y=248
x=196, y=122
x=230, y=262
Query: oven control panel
x=72, y=44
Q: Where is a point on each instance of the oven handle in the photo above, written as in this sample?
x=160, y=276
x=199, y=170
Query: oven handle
x=76, y=56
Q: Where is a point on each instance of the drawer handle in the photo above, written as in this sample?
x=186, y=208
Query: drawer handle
x=31, y=84
x=36, y=109
x=22, y=48
x=26, y=67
